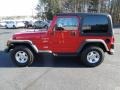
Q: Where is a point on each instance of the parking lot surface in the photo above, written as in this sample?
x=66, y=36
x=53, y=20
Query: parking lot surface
x=62, y=73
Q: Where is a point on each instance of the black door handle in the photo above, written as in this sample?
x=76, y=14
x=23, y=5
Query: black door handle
x=73, y=33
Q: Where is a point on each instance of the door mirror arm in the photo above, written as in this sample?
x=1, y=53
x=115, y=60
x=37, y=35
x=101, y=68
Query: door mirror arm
x=59, y=28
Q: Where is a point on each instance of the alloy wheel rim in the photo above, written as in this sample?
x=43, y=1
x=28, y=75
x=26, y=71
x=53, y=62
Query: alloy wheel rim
x=93, y=57
x=21, y=57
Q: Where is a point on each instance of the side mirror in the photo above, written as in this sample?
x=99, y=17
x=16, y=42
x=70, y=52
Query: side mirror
x=59, y=27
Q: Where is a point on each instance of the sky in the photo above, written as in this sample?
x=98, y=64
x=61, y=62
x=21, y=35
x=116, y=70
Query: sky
x=17, y=7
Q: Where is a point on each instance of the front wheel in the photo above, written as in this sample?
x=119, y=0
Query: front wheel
x=14, y=27
x=92, y=56
x=22, y=56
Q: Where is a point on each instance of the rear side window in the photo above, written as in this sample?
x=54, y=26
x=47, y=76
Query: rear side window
x=68, y=23
x=95, y=24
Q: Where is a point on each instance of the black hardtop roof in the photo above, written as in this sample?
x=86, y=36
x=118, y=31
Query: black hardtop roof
x=81, y=14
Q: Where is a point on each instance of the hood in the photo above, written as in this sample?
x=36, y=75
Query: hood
x=30, y=34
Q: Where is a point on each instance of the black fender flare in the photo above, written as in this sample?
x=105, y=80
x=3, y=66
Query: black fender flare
x=93, y=41
x=12, y=43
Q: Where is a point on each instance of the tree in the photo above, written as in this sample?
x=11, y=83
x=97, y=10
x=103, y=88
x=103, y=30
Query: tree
x=48, y=8
x=51, y=7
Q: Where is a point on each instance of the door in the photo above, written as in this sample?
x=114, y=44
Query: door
x=65, y=38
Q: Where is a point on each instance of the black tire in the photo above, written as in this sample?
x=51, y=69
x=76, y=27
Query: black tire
x=6, y=27
x=14, y=27
x=46, y=27
x=34, y=27
x=87, y=61
x=26, y=50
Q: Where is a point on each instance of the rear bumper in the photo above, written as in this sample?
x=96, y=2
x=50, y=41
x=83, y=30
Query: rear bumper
x=111, y=52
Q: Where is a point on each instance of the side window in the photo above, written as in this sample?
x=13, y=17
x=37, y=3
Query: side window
x=95, y=24
x=67, y=23
x=42, y=23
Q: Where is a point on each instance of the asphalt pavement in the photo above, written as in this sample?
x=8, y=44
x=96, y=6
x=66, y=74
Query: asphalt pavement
x=61, y=73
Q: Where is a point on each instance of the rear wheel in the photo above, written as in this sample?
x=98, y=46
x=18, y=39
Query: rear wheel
x=46, y=27
x=6, y=26
x=92, y=56
x=22, y=56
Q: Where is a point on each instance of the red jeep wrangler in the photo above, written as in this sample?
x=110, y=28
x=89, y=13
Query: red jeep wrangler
x=85, y=35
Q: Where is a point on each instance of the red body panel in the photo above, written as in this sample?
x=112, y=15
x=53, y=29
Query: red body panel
x=58, y=41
